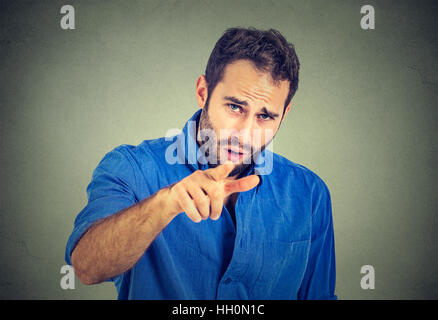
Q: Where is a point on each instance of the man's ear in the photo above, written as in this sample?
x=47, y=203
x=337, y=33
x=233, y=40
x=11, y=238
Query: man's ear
x=201, y=91
x=287, y=110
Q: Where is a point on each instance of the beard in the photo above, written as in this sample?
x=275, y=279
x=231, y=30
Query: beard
x=213, y=148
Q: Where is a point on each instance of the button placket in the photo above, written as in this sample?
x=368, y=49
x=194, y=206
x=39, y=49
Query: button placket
x=239, y=260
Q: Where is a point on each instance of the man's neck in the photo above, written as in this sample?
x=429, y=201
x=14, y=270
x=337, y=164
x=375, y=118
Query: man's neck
x=231, y=199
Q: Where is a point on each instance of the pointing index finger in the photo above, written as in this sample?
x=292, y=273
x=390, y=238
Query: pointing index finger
x=242, y=184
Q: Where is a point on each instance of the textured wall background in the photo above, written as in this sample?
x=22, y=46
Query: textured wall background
x=364, y=119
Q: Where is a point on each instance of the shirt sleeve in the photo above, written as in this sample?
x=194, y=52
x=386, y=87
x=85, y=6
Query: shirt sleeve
x=320, y=275
x=110, y=190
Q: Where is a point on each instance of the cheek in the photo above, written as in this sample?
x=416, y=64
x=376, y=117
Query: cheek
x=218, y=118
x=269, y=134
x=262, y=137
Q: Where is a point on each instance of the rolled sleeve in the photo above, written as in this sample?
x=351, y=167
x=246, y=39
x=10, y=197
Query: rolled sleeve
x=110, y=190
x=320, y=276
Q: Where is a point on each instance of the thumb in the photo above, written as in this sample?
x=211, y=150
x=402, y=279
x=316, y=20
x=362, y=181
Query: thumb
x=221, y=172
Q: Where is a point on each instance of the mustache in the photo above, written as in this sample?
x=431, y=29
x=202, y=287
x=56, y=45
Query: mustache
x=229, y=142
x=246, y=148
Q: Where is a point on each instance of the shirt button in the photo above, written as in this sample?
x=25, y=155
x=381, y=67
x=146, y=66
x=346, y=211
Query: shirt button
x=227, y=280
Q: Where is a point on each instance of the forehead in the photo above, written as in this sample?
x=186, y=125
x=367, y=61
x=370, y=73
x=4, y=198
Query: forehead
x=243, y=80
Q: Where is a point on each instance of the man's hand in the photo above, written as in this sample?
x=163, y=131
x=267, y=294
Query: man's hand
x=202, y=194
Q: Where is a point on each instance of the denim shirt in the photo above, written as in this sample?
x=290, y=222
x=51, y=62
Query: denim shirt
x=282, y=246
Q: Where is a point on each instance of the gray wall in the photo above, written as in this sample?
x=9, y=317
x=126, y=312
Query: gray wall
x=363, y=119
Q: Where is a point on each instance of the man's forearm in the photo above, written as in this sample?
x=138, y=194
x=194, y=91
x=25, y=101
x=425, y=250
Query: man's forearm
x=114, y=244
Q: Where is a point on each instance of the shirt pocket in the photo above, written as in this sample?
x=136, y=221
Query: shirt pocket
x=281, y=270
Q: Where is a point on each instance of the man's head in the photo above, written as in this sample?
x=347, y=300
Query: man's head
x=246, y=92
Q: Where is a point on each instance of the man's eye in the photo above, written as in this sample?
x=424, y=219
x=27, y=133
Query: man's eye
x=264, y=116
x=234, y=107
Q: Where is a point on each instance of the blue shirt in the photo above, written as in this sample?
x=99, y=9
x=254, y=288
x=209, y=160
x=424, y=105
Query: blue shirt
x=282, y=246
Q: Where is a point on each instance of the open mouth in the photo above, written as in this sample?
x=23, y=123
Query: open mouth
x=234, y=155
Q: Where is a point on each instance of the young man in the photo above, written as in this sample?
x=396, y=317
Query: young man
x=224, y=218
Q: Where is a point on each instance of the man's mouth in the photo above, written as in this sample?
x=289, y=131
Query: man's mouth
x=235, y=154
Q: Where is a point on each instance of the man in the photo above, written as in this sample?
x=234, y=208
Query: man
x=212, y=213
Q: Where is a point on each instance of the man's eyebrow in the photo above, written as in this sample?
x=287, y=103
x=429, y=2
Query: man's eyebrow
x=237, y=101
x=270, y=113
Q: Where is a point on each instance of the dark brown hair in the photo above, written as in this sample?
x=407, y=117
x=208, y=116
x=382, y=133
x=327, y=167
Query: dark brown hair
x=268, y=50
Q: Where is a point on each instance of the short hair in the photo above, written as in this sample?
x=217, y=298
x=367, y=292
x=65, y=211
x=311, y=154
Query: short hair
x=268, y=50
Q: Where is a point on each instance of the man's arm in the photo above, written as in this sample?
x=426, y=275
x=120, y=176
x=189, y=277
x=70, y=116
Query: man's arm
x=320, y=276
x=114, y=244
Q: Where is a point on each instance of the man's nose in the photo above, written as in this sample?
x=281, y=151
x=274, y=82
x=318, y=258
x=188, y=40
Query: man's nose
x=245, y=130
x=246, y=123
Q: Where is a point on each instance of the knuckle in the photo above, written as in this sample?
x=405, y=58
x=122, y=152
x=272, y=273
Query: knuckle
x=203, y=202
x=184, y=182
x=175, y=189
x=197, y=173
x=184, y=204
x=216, y=193
x=185, y=200
x=179, y=189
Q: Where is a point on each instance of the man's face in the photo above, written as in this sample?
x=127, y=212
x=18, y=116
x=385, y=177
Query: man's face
x=244, y=111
